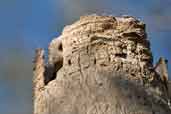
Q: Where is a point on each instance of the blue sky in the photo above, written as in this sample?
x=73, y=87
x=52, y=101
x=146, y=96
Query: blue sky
x=29, y=24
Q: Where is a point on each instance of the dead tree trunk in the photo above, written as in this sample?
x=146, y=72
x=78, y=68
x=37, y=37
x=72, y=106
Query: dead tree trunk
x=99, y=65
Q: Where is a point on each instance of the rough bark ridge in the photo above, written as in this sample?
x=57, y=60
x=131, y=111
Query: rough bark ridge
x=99, y=65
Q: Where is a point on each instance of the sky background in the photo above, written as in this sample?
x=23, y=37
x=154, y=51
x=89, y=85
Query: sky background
x=29, y=24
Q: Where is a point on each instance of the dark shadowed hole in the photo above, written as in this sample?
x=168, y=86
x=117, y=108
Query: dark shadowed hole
x=100, y=84
x=123, y=55
x=94, y=61
x=53, y=76
x=69, y=62
x=51, y=71
x=109, y=59
x=60, y=47
x=49, y=74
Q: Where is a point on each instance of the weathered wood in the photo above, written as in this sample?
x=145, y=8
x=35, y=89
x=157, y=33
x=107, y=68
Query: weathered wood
x=102, y=65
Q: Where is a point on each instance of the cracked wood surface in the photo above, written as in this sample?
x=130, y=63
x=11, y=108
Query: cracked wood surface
x=105, y=68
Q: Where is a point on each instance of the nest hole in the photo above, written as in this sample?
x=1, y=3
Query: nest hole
x=94, y=61
x=60, y=47
x=69, y=62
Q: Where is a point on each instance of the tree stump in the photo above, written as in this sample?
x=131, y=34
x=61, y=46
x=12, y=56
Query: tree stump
x=99, y=65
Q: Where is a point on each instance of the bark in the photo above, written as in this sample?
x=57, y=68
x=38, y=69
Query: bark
x=99, y=65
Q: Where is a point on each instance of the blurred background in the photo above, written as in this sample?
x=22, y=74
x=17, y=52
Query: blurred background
x=28, y=24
